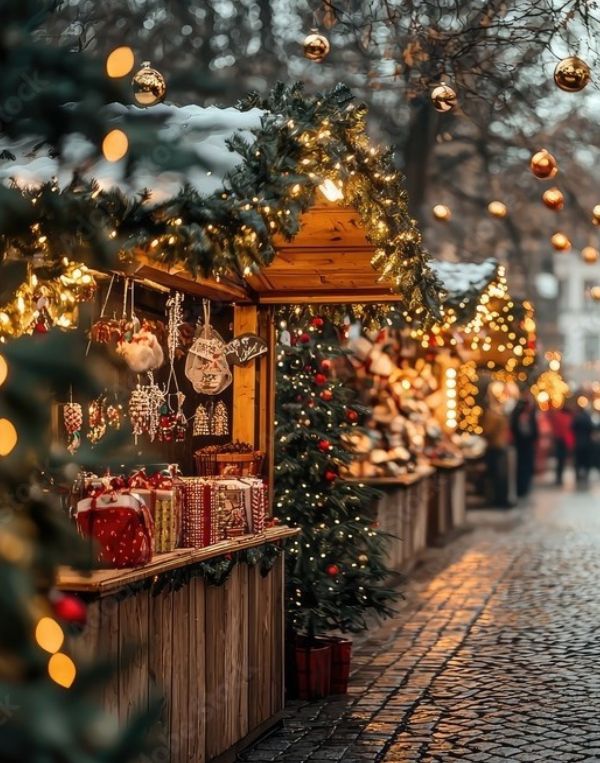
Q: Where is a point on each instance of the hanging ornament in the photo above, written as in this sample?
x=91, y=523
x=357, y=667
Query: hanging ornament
x=206, y=363
x=96, y=420
x=572, y=74
x=73, y=418
x=352, y=416
x=201, y=422
x=219, y=422
x=69, y=608
x=149, y=86
x=553, y=198
x=156, y=397
x=543, y=165
x=561, y=242
x=330, y=475
x=363, y=558
x=316, y=46
x=166, y=424
x=596, y=214
x=320, y=379
x=317, y=322
x=332, y=570
x=139, y=411
x=443, y=98
x=497, y=209
x=595, y=293
x=42, y=322
x=114, y=415
x=304, y=338
x=590, y=254
x=326, y=365
x=324, y=446
x=442, y=212
x=326, y=395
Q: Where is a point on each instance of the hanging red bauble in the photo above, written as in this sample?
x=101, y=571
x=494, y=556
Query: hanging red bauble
x=324, y=445
x=320, y=379
x=317, y=322
x=352, y=416
x=332, y=570
x=304, y=338
x=70, y=609
x=543, y=165
x=330, y=475
x=326, y=395
x=326, y=365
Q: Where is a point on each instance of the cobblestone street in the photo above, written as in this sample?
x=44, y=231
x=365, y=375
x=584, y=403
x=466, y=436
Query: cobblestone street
x=493, y=656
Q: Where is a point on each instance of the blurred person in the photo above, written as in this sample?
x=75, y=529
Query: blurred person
x=525, y=434
x=583, y=428
x=564, y=439
x=496, y=431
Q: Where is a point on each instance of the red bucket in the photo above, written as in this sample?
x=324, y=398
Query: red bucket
x=341, y=655
x=313, y=668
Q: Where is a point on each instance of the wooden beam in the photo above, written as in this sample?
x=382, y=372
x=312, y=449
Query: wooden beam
x=245, y=320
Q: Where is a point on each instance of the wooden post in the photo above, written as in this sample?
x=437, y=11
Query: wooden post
x=245, y=320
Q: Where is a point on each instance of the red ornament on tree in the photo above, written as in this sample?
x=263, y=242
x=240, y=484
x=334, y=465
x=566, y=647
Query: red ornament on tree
x=324, y=445
x=352, y=416
x=333, y=570
x=70, y=609
x=305, y=338
x=330, y=475
x=320, y=379
x=326, y=365
x=327, y=395
x=317, y=322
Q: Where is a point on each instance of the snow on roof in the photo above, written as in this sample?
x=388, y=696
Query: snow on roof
x=463, y=280
x=201, y=131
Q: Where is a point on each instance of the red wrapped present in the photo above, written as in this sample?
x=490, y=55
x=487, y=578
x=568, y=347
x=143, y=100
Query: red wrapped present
x=121, y=525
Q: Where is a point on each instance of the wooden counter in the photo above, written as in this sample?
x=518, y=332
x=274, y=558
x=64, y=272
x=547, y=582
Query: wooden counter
x=447, y=501
x=215, y=653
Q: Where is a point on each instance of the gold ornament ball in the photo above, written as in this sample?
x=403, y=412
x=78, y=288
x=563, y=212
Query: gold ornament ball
x=441, y=212
x=497, y=209
x=149, y=86
x=561, y=242
x=572, y=74
x=553, y=198
x=444, y=98
x=543, y=165
x=595, y=293
x=316, y=46
x=596, y=214
x=590, y=254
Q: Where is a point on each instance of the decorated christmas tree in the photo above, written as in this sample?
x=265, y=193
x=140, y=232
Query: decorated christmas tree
x=336, y=573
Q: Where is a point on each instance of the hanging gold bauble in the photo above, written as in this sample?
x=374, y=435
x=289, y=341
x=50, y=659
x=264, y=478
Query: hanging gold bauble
x=316, y=46
x=596, y=214
x=443, y=98
x=149, y=86
x=553, y=198
x=572, y=74
x=590, y=254
x=595, y=293
x=442, y=212
x=543, y=165
x=561, y=242
x=497, y=209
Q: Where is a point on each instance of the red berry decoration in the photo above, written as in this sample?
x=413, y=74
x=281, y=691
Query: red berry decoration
x=70, y=609
x=330, y=475
x=326, y=364
x=352, y=416
x=305, y=338
x=317, y=322
x=333, y=570
x=320, y=379
x=324, y=445
x=327, y=395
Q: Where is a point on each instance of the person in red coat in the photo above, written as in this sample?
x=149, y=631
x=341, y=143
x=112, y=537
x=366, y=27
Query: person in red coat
x=564, y=439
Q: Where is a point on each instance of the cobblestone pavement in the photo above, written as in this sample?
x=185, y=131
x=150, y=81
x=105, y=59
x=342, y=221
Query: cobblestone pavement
x=493, y=657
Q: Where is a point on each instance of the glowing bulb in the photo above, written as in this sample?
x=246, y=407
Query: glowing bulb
x=331, y=190
x=115, y=145
x=8, y=437
x=3, y=370
x=62, y=670
x=49, y=635
x=120, y=62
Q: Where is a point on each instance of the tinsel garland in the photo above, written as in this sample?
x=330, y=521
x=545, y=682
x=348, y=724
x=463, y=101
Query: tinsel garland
x=302, y=140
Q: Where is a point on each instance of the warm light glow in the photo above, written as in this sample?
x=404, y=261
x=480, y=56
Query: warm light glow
x=8, y=437
x=497, y=209
x=3, y=370
x=560, y=242
x=595, y=293
x=442, y=212
x=590, y=254
x=120, y=62
x=582, y=401
x=115, y=145
x=49, y=635
x=331, y=191
x=62, y=670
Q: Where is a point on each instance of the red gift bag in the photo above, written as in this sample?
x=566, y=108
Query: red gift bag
x=121, y=525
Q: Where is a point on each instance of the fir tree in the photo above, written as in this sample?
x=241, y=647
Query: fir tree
x=336, y=573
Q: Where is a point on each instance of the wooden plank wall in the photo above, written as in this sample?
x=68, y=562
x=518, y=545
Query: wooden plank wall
x=214, y=653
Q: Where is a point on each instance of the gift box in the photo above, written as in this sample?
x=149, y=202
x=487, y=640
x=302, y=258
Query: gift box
x=219, y=508
x=166, y=508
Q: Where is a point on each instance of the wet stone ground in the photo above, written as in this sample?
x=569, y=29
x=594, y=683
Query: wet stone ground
x=494, y=656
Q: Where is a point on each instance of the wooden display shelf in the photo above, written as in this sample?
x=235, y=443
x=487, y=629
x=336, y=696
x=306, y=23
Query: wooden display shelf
x=104, y=582
x=403, y=479
x=448, y=463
